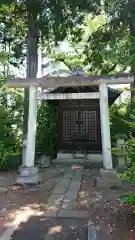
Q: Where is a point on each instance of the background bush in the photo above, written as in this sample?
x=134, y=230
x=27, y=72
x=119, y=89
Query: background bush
x=120, y=120
x=46, y=129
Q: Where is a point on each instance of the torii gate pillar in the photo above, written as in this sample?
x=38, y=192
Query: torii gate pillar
x=28, y=172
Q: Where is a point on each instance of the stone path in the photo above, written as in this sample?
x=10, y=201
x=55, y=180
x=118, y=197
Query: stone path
x=55, y=200
x=62, y=202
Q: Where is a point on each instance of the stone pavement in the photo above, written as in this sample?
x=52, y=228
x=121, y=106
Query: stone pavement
x=63, y=200
x=55, y=198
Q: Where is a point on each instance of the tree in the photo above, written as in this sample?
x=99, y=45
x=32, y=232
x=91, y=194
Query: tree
x=109, y=47
x=11, y=109
x=49, y=20
x=122, y=15
x=12, y=34
x=103, y=49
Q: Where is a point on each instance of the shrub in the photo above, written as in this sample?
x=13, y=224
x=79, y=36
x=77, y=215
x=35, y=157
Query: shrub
x=9, y=122
x=128, y=150
x=123, y=122
x=46, y=129
x=120, y=120
x=128, y=199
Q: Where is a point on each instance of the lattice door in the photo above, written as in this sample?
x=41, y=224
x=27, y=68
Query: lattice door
x=88, y=124
x=82, y=121
x=70, y=124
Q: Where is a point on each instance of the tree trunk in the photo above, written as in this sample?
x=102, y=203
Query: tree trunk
x=32, y=62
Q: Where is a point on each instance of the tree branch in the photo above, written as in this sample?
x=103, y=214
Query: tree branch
x=104, y=71
x=77, y=53
x=64, y=61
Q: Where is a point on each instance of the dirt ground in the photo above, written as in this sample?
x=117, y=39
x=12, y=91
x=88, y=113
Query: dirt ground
x=14, y=197
x=113, y=220
x=52, y=229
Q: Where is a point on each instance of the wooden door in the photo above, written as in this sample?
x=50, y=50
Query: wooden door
x=88, y=124
x=79, y=119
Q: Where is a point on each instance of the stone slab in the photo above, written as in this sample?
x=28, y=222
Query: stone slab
x=55, y=199
x=78, y=173
x=50, y=214
x=77, y=180
x=69, y=198
x=69, y=204
x=73, y=214
x=74, y=188
x=69, y=171
x=63, y=184
x=68, y=157
x=79, y=170
x=77, y=176
x=68, y=175
x=71, y=194
x=53, y=207
x=74, y=182
x=59, y=190
x=50, y=184
x=64, y=181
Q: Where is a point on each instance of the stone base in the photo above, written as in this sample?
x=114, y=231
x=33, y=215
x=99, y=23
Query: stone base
x=121, y=169
x=108, y=179
x=28, y=175
x=80, y=158
x=121, y=162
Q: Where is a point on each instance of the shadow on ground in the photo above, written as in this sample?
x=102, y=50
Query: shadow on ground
x=40, y=228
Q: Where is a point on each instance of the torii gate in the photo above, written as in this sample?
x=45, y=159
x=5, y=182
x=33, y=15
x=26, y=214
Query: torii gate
x=29, y=173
